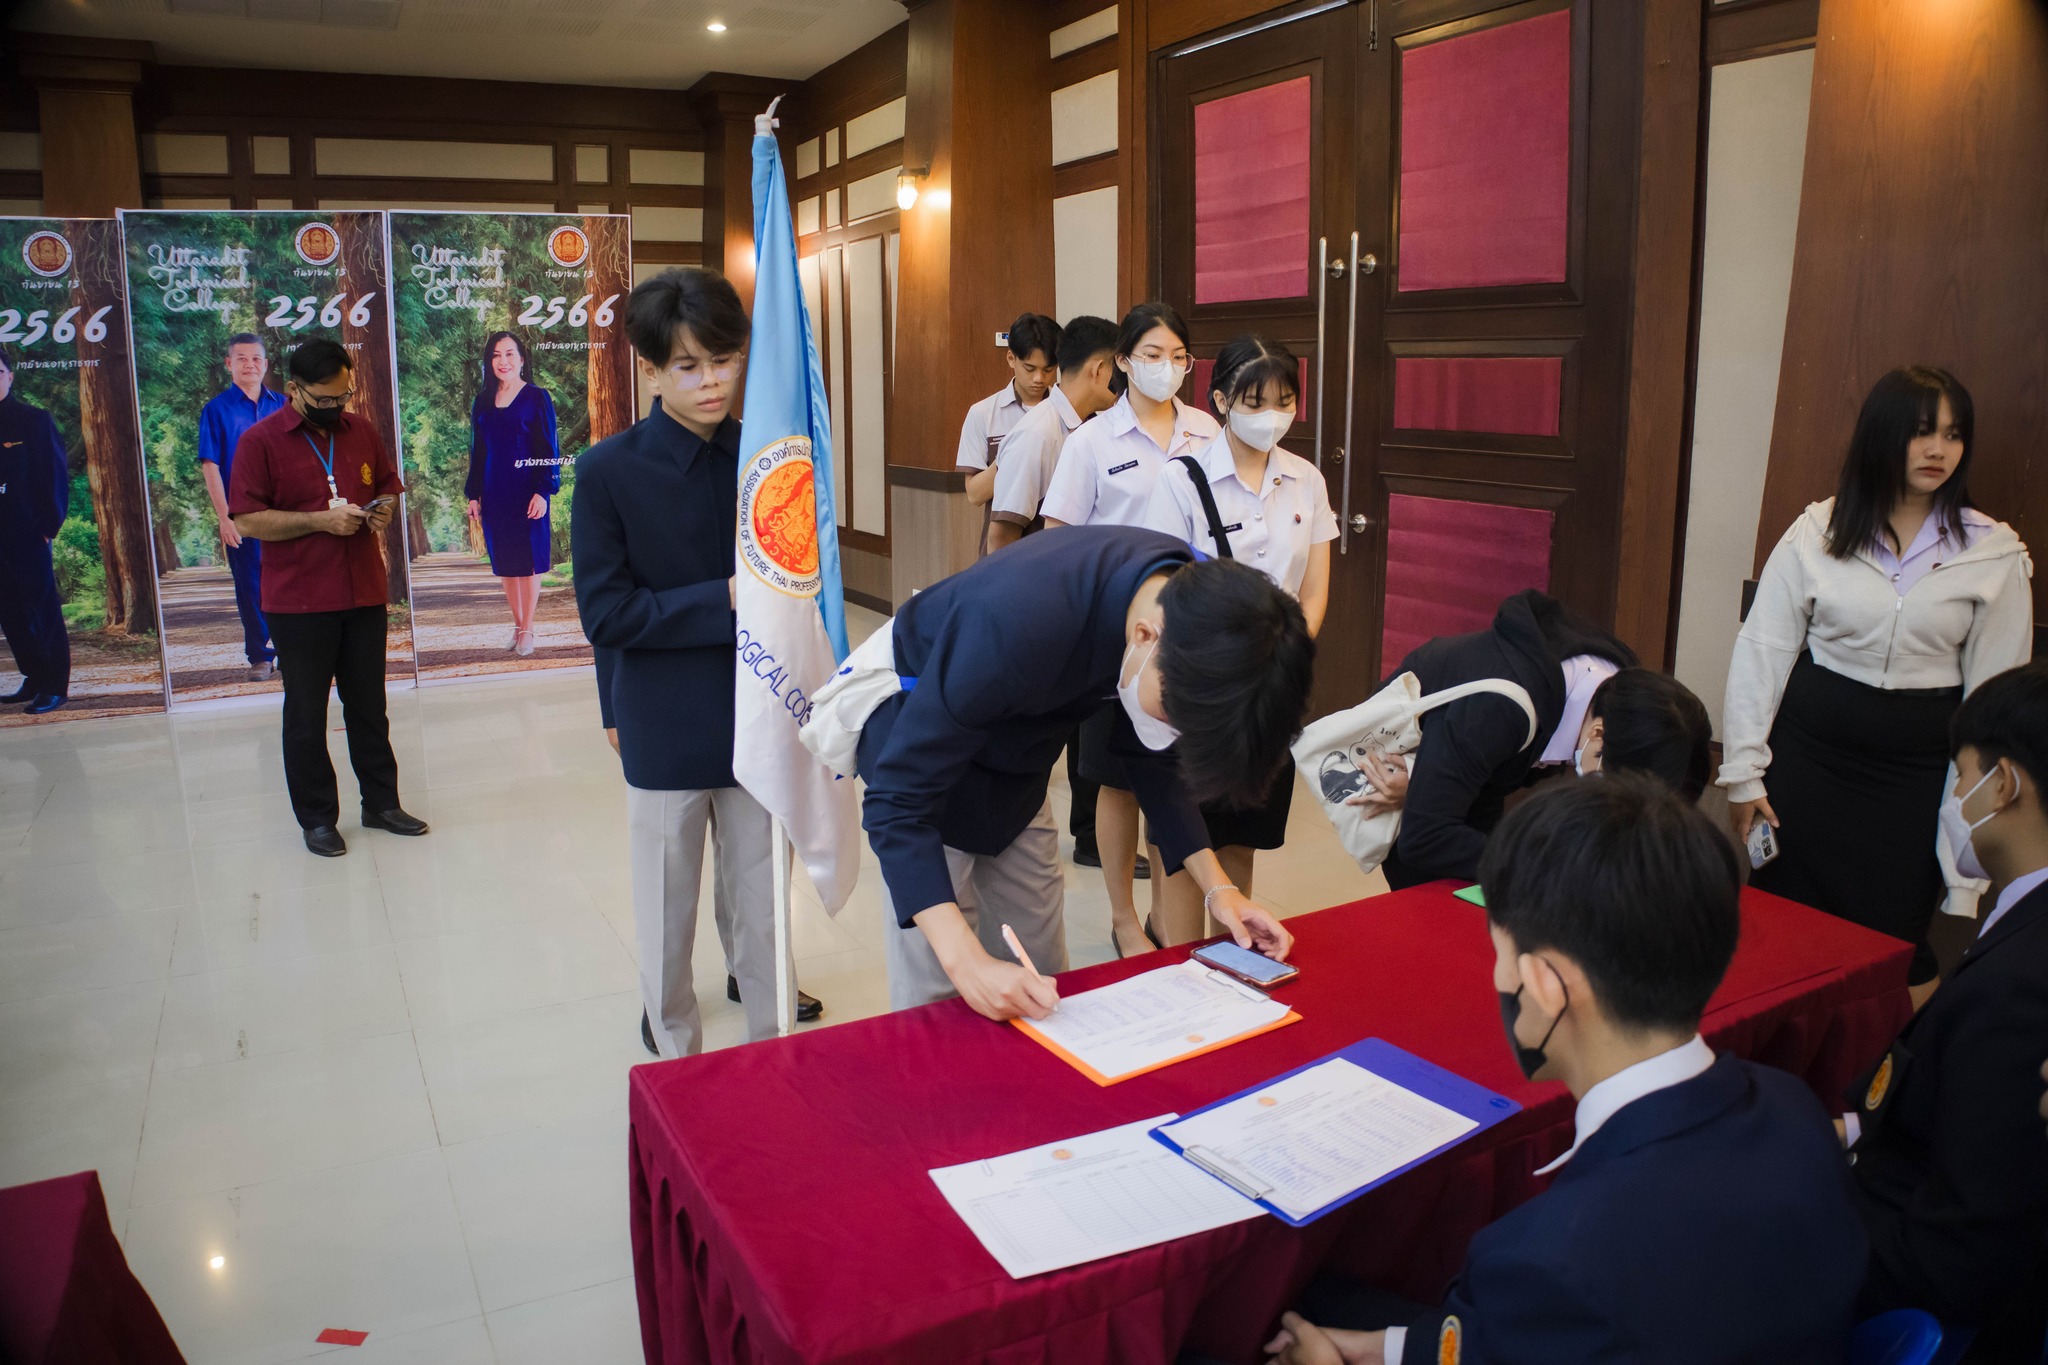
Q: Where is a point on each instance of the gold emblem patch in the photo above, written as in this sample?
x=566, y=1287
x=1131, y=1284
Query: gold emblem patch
x=366, y=475
x=1879, y=1083
x=1450, y=1342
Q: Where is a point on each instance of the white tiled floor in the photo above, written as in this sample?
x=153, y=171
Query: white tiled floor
x=389, y=1089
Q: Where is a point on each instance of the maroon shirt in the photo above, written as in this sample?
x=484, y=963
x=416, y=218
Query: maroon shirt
x=278, y=468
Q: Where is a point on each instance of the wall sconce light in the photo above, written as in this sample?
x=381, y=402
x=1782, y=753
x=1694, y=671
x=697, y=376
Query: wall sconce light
x=907, y=186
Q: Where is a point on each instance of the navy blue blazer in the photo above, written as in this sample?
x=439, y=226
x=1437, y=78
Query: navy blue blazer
x=1711, y=1222
x=651, y=523
x=1475, y=753
x=1009, y=656
x=1952, y=1167
x=35, y=483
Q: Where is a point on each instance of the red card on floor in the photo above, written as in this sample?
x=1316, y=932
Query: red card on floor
x=341, y=1336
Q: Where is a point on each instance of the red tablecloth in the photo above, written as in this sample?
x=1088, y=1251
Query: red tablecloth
x=782, y=1211
x=67, y=1296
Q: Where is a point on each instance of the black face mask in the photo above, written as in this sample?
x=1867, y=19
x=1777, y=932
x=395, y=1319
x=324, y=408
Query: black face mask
x=1530, y=1059
x=327, y=419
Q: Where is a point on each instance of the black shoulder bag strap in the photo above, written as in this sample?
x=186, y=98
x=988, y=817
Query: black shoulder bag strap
x=1208, y=497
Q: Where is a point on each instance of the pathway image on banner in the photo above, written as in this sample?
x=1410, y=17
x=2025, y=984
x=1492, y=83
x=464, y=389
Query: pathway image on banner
x=512, y=361
x=216, y=302
x=78, y=601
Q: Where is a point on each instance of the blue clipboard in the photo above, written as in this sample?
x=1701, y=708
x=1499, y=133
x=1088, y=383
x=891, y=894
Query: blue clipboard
x=1390, y=1063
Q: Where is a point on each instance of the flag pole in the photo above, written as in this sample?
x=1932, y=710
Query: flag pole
x=785, y=967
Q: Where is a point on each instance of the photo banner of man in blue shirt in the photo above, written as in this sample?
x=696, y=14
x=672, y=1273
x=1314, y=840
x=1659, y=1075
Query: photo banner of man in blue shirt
x=246, y=401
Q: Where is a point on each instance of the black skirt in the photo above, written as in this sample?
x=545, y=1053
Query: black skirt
x=1856, y=779
x=1260, y=826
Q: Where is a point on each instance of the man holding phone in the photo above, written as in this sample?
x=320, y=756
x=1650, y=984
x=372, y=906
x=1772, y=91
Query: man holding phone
x=316, y=483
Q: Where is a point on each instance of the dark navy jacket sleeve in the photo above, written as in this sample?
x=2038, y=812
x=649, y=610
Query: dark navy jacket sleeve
x=1520, y=1306
x=617, y=612
x=607, y=662
x=473, y=484
x=1462, y=747
x=53, y=478
x=546, y=449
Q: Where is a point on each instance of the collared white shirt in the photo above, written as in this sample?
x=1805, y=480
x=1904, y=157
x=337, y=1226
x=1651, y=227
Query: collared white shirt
x=2015, y=891
x=1674, y=1067
x=1271, y=528
x=1107, y=471
x=1583, y=674
x=988, y=422
x=1026, y=457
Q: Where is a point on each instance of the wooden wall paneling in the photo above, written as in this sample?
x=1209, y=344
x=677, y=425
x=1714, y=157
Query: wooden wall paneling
x=1098, y=172
x=1082, y=63
x=1920, y=241
x=85, y=90
x=1134, y=275
x=1667, y=178
x=1759, y=28
x=726, y=105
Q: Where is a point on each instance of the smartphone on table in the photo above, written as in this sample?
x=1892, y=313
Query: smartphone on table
x=1254, y=969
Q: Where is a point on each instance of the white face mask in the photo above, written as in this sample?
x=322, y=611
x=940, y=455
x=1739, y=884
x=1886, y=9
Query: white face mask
x=1957, y=829
x=1154, y=733
x=1158, y=380
x=1261, y=430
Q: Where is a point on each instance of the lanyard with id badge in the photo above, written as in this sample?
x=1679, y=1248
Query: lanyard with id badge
x=334, y=497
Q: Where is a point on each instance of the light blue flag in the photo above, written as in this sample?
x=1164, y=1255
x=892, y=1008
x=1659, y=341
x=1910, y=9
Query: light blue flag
x=785, y=381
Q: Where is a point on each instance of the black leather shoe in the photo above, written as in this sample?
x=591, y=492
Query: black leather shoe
x=647, y=1034
x=1087, y=855
x=394, y=821
x=1142, y=872
x=808, y=1007
x=44, y=703
x=326, y=841
x=21, y=693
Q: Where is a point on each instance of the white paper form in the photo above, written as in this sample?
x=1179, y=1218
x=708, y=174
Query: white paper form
x=1307, y=1141
x=1156, y=1017
x=1071, y=1202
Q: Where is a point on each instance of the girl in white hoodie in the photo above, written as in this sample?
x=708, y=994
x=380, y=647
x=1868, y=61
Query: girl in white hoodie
x=1876, y=613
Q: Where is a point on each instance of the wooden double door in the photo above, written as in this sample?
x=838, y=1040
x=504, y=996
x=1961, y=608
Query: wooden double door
x=1431, y=204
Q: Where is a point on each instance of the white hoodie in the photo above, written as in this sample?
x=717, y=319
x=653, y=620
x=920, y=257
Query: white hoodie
x=1970, y=618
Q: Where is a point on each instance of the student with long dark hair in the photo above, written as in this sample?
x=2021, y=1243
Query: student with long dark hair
x=1105, y=477
x=1877, y=613
x=1243, y=496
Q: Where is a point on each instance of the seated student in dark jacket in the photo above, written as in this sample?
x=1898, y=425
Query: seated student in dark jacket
x=1595, y=711
x=1951, y=1165
x=1208, y=664
x=1703, y=1215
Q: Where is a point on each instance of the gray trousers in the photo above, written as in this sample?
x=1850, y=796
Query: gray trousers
x=1023, y=887
x=665, y=847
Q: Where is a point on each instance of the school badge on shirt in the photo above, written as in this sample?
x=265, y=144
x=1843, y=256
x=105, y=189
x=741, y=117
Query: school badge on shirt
x=1879, y=1084
x=366, y=474
x=1450, y=1342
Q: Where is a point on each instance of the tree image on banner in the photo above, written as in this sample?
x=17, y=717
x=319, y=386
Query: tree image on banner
x=64, y=333
x=549, y=291
x=196, y=280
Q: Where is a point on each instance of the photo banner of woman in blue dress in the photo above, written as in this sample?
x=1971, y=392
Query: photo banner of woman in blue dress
x=512, y=361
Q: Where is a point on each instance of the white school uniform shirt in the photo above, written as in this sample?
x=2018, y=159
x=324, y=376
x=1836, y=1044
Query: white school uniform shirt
x=1108, y=470
x=1271, y=528
x=1025, y=459
x=988, y=421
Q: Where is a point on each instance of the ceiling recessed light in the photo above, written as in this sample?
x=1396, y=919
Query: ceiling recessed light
x=217, y=1262
x=715, y=26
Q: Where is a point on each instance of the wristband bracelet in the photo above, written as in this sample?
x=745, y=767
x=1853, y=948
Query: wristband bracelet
x=1209, y=896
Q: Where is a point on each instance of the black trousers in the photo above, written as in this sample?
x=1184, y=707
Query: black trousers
x=32, y=619
x=343, y=650
x=1081, y=815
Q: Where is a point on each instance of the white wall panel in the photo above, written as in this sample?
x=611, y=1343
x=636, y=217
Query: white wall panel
x=1084, y=253
x=271, y=155
x=184, y=153
x=1084, y=119
x=872, y=194
x=21, y=151
x=1756, y=155
x=807, y=216
x=865, y=132
x=865, y=348
x=654, y=224
x=807, y=158
x=1080, y=33
x=663, y=166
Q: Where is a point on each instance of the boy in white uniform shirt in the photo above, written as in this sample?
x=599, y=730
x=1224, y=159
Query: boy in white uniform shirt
x=1034, y=345
x=1025, y=460
x=1272, y=512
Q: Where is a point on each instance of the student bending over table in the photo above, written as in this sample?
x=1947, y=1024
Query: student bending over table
x=1702, y=1215
x=1951, y=1165
x=1595, y=711
x=956, y=711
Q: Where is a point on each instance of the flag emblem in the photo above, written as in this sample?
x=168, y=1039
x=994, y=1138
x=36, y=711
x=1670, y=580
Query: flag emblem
x=779, y=517
x=317, y=244
x=46, y=253
x=1450, y=1342
x=568, y=246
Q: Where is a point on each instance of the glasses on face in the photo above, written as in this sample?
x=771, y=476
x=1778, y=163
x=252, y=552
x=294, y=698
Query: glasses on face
x=688, y=375
x=326, y=401
x=1152, y=356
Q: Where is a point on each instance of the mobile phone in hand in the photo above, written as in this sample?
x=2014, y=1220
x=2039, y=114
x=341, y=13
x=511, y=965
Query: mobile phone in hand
x=384, y=500
x=1763, y=843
